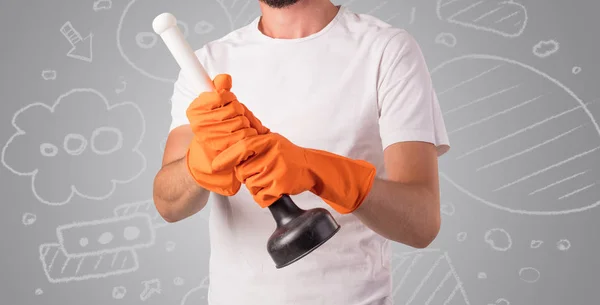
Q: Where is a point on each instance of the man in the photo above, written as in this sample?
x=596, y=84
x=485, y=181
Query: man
x=336, y=109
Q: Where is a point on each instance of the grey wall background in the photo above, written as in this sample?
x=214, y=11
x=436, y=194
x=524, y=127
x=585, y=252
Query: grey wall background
x=85, y=112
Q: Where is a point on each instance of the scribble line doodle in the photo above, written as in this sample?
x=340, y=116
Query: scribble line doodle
x=505, y=18
x=525, y=142
x=237, y=8
x=426, y=277
x=81, y=48
x=60, y=268
x=140, y=47
x=528, y=150
x=101, y=248
x=198, y=294
x=31, y=149
x=576, y=191
x=151, y=288
x=100, y=5
x=546, y=48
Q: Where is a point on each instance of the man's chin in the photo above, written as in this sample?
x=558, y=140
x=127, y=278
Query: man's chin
x=279, y=3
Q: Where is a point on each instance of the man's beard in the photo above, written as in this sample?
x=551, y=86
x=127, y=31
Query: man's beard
x=279, y=3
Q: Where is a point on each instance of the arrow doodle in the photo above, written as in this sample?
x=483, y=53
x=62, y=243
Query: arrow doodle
x=150, y=288
x=81, y=47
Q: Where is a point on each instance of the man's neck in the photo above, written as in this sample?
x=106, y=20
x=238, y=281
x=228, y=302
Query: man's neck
x=298, y=20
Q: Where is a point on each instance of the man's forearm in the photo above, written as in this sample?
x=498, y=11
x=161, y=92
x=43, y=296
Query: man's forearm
x=176, y=194
x=408, y=214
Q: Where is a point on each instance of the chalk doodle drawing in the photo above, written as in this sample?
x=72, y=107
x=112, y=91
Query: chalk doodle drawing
x=151, y=287
x=482, y=275
x=462, y=236
x=501, y=301
x=101, y=248
x=48, y=74
x=505, y=18
x=200, y=21
x=122, y=84
x=539, y=162
x=178, y=281
x=536, y=244
x=28, y=219
x=81, y=47
x=119, y=292
x=197, y=295
x=498, y=239
x=529, y=275
x=102, y=5
x=39, y=291
x=576, y=70
x=447, y=39
x=77, y=156
x=546, y=48
x=447, y=208
x=426, y=277
x=563, y=245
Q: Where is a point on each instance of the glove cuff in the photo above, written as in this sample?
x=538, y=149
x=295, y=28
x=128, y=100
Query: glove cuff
x=343, y=183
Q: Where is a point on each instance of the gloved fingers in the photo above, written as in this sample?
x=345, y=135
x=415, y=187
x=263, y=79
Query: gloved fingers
x=222, y=141
x=254, y=121
x=224, y=120
x=240, y=152
x=267, y=178
x=223, y=82
x=255, y=171
x=211, y=100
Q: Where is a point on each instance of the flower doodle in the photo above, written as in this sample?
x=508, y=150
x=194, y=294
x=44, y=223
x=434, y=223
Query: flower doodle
x=81, y=145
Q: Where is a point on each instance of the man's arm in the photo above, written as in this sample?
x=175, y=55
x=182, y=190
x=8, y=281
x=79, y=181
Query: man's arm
x=176, y=194
x=406, y=207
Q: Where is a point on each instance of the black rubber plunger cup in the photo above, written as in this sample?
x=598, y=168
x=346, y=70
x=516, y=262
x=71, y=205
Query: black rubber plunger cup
x=298, y=232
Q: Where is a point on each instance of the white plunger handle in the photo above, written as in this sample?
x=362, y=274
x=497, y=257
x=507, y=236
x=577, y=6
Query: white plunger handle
x=165, y=25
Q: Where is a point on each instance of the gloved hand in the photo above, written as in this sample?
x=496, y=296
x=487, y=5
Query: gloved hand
x=271, y=166
x=218, y=120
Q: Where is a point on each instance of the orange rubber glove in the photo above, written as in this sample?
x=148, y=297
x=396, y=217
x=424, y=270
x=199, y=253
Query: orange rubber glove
x=218, y=120
x=271, y=166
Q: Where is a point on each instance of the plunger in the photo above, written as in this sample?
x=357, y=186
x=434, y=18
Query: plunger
x=299, y=231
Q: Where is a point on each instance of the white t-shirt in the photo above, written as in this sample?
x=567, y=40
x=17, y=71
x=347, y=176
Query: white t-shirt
x=354, y=88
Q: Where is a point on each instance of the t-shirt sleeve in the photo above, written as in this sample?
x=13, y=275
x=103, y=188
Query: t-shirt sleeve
x=183, y=95
x=408, y=105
